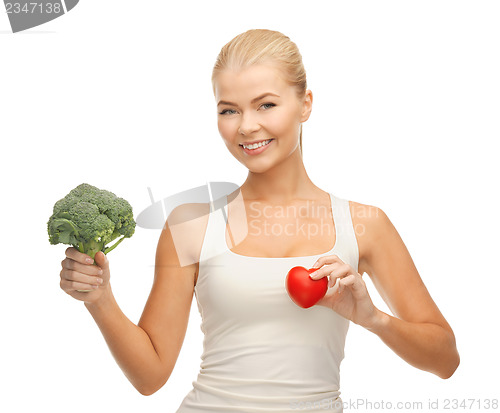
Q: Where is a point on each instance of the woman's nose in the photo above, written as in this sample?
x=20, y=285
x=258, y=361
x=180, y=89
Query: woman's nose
x=248, y=125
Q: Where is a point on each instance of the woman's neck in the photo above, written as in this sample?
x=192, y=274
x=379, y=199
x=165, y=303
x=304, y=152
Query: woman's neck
x=281, y=184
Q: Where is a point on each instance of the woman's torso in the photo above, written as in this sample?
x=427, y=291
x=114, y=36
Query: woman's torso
x=260, y=349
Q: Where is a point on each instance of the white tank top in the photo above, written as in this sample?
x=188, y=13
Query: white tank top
x=262, y=352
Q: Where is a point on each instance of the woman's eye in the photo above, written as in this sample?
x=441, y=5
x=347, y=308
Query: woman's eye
x=271, y=104
x=225, y=111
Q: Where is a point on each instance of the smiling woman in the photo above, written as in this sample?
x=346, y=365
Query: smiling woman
x=260, y=87
x=261, y=351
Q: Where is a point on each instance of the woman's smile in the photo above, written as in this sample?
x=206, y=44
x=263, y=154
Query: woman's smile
x=256, y=148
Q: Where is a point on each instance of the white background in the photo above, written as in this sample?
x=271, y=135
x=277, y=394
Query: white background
x=118, y=94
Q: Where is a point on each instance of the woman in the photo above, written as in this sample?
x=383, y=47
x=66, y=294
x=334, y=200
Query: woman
x=260, y=349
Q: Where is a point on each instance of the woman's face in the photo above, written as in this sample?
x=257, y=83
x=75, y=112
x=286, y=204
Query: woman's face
x=244, y=115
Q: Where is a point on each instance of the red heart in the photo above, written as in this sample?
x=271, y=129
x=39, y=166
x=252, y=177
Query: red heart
x=304, y=291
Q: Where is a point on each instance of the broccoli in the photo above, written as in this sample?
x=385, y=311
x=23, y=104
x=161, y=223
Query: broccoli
x=89, y=218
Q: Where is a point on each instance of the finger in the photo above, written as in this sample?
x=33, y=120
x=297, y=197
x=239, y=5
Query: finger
x=335, y=284
x=350, y=280
x=69, y=286
x=75, y=276
x=322, y=272
x=334, y=269
x=76, y=255
x=326, y=259
x=334, y=281
x=71, y=264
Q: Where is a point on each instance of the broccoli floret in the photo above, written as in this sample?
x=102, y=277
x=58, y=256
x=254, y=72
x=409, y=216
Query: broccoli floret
x=89, y=218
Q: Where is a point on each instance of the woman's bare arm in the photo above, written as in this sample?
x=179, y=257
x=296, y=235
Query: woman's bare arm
x=147, y=352
x=419, y=333
x=129, y=344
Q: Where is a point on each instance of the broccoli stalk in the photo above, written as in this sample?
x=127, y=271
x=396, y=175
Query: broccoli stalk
x=92, y=247
x=89, y=219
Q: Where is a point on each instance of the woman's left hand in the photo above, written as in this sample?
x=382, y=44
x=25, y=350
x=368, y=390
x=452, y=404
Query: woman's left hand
x=347, y=294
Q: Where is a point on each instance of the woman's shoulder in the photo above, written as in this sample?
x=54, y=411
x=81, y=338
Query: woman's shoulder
x=364, y=213
x=187, y=223
x=369, y=223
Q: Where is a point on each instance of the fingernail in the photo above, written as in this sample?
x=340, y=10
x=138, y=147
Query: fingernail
x=95, y=287
x=315, y=265
x=313, y=274
x=100, y=280
x=89, y=260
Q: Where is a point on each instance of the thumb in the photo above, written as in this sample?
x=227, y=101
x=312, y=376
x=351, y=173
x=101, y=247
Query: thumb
x=101, y=260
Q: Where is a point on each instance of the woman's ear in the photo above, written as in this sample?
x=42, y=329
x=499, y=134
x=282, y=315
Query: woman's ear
x=306, y=106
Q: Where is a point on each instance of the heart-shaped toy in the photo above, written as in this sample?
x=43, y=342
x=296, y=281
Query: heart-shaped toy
x=304, y=291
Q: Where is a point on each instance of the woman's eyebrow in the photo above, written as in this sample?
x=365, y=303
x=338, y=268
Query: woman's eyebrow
x=223, y=102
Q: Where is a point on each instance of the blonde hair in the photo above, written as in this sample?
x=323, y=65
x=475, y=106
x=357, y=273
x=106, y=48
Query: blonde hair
x=260, y=46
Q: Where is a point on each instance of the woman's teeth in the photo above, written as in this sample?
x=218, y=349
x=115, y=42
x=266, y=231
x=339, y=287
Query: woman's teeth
x=257, y=145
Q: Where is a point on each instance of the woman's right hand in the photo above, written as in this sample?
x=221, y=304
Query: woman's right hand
x=80, y=274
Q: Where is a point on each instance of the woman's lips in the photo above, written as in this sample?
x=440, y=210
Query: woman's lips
x=258, y=150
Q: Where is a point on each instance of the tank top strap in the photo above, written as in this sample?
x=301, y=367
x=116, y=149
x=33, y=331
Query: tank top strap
x=346, y=244
x=213, y=243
